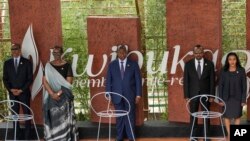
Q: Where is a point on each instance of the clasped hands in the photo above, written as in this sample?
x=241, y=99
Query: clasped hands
x=137, y=99
x=56, y=96
x=222, y=104
x=210, y=99
x=16, y=92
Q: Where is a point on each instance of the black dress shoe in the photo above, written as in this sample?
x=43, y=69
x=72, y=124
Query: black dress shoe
x=194, y=139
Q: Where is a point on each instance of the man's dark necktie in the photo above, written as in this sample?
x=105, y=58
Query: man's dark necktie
x=15, y=64
x=122, y=70
x=199, y=69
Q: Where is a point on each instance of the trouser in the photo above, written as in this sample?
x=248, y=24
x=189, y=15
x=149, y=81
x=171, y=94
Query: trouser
x=16, y=107
x=122, y=123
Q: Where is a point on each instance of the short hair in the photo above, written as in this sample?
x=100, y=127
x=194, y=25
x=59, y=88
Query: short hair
x=122, y=47
x=16, y=45
x=198, y=46
x=58, y=48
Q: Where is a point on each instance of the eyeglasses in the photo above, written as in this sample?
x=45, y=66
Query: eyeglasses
x=14, y=49
x=56, y=53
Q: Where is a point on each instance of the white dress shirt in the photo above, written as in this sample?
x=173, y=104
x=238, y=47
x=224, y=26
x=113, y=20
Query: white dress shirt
x=124, y=63
x=18, y=60
x=201, y=63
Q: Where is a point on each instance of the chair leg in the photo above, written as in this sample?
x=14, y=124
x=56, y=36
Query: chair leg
x=109, y=128
x=204, y=128
x=191, y=133
x=132, y=132
x=36, y=130
x=6, y=133
x=15, y=131
x=98, y=132
x=222, y=129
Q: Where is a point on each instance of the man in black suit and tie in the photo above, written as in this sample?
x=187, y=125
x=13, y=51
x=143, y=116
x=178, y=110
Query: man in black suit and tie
x=17, y=78
x=199, y=78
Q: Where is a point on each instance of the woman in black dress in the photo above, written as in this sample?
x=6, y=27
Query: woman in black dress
x=232, y=89
x=58, y=106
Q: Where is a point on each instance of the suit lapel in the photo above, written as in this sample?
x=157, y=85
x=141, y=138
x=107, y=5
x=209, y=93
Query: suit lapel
x=127, y=67
x=118, y=69
x=13, y=66
x=194, y=68
x=204, y=68
x=20, y=65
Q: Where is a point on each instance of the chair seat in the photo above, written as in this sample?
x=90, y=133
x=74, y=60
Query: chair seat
x=206, y=114
x=10, y=115
x=108, y=110
x=20, y=117
x=112, y=113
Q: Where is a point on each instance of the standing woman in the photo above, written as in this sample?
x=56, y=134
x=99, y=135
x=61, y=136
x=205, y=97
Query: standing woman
x=232, y=89
x=59, y=116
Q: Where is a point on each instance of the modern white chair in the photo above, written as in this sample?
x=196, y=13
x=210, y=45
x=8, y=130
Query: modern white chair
x=206, y=114
x=10, y=115
x=109, y=112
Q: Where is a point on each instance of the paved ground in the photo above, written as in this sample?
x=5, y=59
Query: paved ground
x=151, y=139
x=145, y=139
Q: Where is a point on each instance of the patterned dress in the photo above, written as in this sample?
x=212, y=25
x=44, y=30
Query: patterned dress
x=59, y=116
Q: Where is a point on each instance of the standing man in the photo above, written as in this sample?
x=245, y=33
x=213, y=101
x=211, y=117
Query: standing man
x=124, y=77
x=17, y=78
x=199, y=78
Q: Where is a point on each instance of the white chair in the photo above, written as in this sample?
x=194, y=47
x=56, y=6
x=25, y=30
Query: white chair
x=10, y=115
x=206, y=114
x=108, y=111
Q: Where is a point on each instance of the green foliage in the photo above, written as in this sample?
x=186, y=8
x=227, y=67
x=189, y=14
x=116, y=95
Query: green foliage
x=233, y=25
x=4, y=55
x=4, y=47
x=155, y=40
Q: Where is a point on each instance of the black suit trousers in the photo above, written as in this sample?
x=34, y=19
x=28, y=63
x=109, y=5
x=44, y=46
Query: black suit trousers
x=24, y=98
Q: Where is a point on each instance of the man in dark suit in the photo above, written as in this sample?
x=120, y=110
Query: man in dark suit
x=199, y=78
x=17, y=78
x=124, y=77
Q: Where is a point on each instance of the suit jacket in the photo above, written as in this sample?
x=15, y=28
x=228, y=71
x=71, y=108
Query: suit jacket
x=240, y=87
x=129, y=86
x=21, y=79
x=193, y=85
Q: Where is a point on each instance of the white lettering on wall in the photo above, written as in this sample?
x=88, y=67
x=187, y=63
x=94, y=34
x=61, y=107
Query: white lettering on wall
x=150, y=69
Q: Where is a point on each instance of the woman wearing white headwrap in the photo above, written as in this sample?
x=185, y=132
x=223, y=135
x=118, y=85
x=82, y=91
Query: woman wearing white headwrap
x=58, y=107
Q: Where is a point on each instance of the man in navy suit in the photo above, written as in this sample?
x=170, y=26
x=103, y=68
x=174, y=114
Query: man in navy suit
x=17, y=78
x=199, y=78
x=124, y=77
